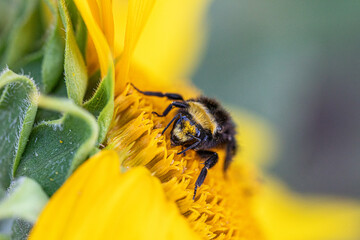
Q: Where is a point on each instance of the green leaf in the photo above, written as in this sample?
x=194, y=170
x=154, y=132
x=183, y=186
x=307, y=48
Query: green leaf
x=46, y=115
x=72, y=10
x=24, y=35
x=52, y=65
x=20, y=229
x=24, y=200
x=18, y=105
x=101, y=105
x=78, y=24
x=31, y=65
x=52, y=5
x=93, y=84
x=81, y=35
x=46, y=65
x=9, y=11
x=56, y=148
x=75, y=69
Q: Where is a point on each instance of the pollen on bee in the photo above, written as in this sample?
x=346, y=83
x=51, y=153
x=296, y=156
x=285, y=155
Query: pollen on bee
x=188, y=128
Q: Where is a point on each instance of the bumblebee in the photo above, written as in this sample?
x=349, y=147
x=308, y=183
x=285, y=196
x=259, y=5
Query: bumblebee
x=199, y=124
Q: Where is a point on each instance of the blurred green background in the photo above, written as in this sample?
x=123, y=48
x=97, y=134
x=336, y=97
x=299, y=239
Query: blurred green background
x=297, y=65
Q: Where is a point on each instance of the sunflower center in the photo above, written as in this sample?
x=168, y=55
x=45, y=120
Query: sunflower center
x=222, y=208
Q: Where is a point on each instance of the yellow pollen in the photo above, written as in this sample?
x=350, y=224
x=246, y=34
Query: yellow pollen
x=61, y=141
x=188, y=128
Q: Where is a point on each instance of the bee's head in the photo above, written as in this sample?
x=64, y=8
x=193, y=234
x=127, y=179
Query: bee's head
x=184, y=131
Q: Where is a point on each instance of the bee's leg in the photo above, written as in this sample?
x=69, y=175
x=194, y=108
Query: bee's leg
x=167, y=110
x=192, y=146
x=171, y=96
x=171, y=105
x=172, y=120
x=209, y=163
x=230, y=152
x=182, y=149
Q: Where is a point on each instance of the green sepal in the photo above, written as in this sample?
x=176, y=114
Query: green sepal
x=25, y=199
x=47, y=64
x=93, y=84
x=53, y=61
x=51, y=5
x=18, y=106
x=24, y=35
x=56, y=148
x=47, y=115
x=31, y=65
x=74, y=64
x=8, y=16
x=79, y=26
x=72, y=11
x=81, y=35
x=101, y=104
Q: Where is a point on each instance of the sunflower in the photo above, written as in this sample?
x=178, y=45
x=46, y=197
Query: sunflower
x=135, y=185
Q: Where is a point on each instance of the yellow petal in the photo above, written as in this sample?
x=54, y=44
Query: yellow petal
x=99, y=202
x=162, y=38
x=90, y=14
x=172, y=39
x=106, y=21
x=137, y=17
x=257, y=141
x=120, y=12
x=165, y=40
x=286, y=215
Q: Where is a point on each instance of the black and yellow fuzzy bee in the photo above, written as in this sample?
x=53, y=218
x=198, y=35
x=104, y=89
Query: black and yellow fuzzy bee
x=200, y=124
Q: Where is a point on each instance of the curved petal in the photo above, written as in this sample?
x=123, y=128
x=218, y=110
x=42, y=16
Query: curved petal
x=172, y=39
x=99, y=202
x=107, y=21
x=257, y=140
x=165, y=45
x=285, y=215
x=137, y=17
x=87, y=10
